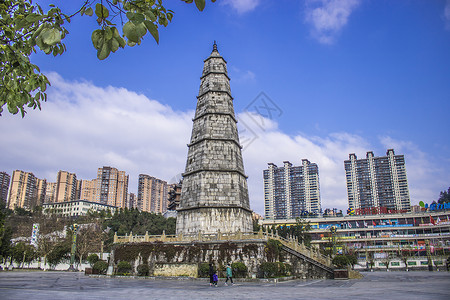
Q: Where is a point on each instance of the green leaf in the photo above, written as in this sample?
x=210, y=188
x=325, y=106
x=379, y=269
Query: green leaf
x=136, y=18
x=153, y=30
x=33, y=18
x=89, y=11
x=104, y=52
x=51, y=36
x=114, y=45
x=200, y=4
x=101, y=11
x=97, y=38
x=121, y=41
x=108, y=34
x=130, y=31
x=149, y=14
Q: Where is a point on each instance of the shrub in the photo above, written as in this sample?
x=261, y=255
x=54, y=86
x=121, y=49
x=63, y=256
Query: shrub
x=143, y=270
x=92, y=259
x=123, y=268
x=341, y=261
x=239, y=270
x=275, y=269
x=269, y=269
x=284, y=269
x=100, y=266
x=203, y=270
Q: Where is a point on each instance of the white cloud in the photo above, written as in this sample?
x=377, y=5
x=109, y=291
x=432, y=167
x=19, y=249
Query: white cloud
x=425, y=178
x=328, y=17
x=447, y=15
x=242, y=6
x=240, y=76
x=83, y=127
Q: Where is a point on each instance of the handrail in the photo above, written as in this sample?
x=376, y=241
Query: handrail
x=290, y=242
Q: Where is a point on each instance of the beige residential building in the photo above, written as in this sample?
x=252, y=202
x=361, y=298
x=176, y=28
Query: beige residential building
x=4, y=186
x=152, y=194
x=41, y=189
x=66, y=186
x=112, y=187
x=88, y=190
x=22, y=192
x=50, y=192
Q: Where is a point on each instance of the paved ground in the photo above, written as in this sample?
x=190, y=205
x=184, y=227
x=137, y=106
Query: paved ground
x=374, y=285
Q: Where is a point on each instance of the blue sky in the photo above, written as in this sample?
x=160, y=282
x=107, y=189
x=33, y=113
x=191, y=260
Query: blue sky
x=348, y=76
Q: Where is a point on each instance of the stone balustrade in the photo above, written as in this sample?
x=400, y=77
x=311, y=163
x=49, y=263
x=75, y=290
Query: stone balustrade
x=291, y=242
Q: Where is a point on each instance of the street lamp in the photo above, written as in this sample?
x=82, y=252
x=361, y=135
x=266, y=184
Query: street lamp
x=74, y=229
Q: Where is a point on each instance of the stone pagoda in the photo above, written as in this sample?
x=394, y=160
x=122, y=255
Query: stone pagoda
x=214, y=196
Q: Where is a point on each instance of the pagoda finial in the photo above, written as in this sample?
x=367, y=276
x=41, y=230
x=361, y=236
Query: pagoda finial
x=214, y=46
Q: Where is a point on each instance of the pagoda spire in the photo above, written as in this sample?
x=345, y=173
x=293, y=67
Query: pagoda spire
x=214, y=193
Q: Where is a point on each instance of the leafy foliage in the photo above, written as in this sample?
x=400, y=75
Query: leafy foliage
x=23, y=253
x=133, y=220
x=239, y=269
x=101, y=266
x=203, y=270
x=92, y=259
x=58, y=253
x=343, y=260
x=143, y=270
x=299, y=230
x=274, y=269
x=5, y=234
x=273, y=250
x=25, y=26
x=444, y=197
x=123, y=268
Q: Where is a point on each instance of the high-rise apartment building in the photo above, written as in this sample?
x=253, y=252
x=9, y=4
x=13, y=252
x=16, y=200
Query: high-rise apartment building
x=290, y=191
x=377, y=182
x=50, y=192
x=88, y=190
x=41, y=189
x=174, y=191
x=131, y=201
x=66, y=186
x=152, y=194
x=23, y=191
x=112, y=187
x=4, y=186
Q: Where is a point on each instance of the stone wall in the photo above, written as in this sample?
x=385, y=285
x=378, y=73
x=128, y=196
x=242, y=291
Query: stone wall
x=178, y=259
x=176, y=269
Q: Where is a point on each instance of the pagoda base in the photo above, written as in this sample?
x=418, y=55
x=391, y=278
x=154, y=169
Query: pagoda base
x=210, y=220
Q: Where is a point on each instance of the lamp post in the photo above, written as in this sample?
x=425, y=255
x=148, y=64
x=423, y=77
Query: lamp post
x=74, y=229
x=430, y=263
x=333, y=231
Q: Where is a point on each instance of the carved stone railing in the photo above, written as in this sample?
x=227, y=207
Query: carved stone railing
x=290, y=242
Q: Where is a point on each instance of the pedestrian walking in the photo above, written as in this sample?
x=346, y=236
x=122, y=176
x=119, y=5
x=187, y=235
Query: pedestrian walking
x=211, y=274
x=215, y=279
x=229, y=274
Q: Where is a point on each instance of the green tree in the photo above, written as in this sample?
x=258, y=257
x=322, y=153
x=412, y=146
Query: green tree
x=92, y=259
x=89, y=238
x=58, y=253
x=23, y=253
x=26, y=28
x=133, y=220
x=444, y=196
x=5, y=234
x=300, y=230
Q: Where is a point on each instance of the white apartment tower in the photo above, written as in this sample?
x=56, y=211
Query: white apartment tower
x=291, y=191
x=377, y=182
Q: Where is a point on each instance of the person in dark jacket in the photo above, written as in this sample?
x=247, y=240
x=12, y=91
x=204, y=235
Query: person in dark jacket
x=211, y=274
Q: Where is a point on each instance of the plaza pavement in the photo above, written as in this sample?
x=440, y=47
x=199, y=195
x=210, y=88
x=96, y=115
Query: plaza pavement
x=375, y=285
